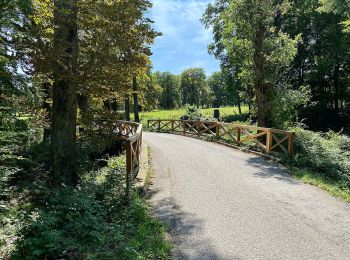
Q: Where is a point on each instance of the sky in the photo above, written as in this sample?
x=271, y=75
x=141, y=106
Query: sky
x=184, y=43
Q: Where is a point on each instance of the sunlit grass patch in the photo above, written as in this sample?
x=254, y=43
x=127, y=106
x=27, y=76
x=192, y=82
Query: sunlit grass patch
x=225, y=112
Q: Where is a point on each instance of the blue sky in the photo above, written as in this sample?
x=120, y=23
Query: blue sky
x=184, y=42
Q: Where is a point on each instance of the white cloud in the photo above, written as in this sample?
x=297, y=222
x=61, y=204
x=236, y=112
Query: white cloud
x=177, y=17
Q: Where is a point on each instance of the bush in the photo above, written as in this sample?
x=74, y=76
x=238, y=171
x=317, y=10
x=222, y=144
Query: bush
x=327, y=154
x=284, y=104
x=91, y=222
x=193, y=113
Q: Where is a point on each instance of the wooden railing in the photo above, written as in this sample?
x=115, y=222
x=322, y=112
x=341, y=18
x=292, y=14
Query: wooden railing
x=268, y=139
x=131, y=133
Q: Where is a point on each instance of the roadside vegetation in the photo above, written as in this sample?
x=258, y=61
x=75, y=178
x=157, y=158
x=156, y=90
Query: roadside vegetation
x=89, y=221
x=323, y=160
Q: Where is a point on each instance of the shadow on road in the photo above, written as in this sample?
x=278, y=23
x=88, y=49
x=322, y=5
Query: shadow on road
x=270, y=170
x=181, y=226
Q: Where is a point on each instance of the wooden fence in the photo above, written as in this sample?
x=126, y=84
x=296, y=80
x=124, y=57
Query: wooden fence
x=131, y=133
x=268, y=139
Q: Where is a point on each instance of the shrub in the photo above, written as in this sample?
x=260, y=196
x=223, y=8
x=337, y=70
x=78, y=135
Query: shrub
x=284, y=104
x=92, y=222
x=193, y=113
x=327, y=154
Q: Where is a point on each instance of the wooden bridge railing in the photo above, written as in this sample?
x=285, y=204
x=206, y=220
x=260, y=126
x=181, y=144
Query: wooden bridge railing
x=270, y=140
x=131, y=133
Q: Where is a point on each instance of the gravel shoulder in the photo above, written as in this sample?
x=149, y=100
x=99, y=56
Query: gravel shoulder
x=220, y=203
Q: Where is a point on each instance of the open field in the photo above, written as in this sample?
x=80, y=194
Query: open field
x=225, y=112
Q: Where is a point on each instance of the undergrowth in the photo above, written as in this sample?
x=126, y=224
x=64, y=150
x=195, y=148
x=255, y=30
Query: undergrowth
x=323, y=160
x=90, y=221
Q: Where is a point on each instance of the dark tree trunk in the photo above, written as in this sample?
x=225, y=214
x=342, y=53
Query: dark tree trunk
x=337, y=97
x=136, y=100
x=127, y=108
x=239, y=105
x=64, y=107
x=47, y=108
x=84, y=106
x=261, y=88
x=336, y=90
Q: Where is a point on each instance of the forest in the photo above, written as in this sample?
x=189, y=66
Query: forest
x=68, y=67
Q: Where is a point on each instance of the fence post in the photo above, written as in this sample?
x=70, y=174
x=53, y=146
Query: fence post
x=198, y=128
x=291, y=144
x=172, y=126
x=218, y=125
x=148, y=124
x=128, y=170
x=268, y=141
x=239, y=134
x=184, y=127
x=159, y=126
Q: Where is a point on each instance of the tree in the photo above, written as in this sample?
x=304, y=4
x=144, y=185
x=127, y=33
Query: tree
x=247, y=38
x=114, y=44
x=170, y=84
x=13, y=20
x=193, y=86
x=217, y=84
x=136, y=99
x=64, y=107
x=340, y=7
x=114, y=48
x=150, y=91
x=322, y=61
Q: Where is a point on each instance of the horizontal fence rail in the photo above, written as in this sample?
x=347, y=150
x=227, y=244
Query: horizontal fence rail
x=131, y=133
x=268, y=139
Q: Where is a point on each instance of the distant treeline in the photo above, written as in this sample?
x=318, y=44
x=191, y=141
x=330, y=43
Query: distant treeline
x=192, y=87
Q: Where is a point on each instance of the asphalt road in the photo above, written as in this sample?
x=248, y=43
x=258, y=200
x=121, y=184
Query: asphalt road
x=221, y=203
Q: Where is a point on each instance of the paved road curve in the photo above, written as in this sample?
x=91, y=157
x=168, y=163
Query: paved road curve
x=221, y=203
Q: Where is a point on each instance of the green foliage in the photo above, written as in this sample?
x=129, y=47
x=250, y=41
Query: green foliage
x=150, y=92
x=170, y=97
x=194, y=88
x=284, y=105
x=322, y=60
x=90, y=221
x=192, y=113
x=341, y=7
x=248, y=40
x=326, y=154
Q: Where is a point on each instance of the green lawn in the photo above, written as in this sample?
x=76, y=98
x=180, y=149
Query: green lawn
x=225, y=112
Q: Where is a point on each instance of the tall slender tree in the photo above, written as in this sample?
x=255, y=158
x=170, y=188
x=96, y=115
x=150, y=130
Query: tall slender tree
x=136, y=99
x=64, y=110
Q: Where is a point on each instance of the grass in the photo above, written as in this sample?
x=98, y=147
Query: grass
x=332, y=187
x=225, y=112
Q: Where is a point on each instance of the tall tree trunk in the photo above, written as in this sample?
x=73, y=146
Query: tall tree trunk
x=47, y=108
x=337, y=97
x=336, y=89
x=127, y=107
x=84, y=105
x=239, y=104
x=136, y=100
x=261, y=89
x=64, y=107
